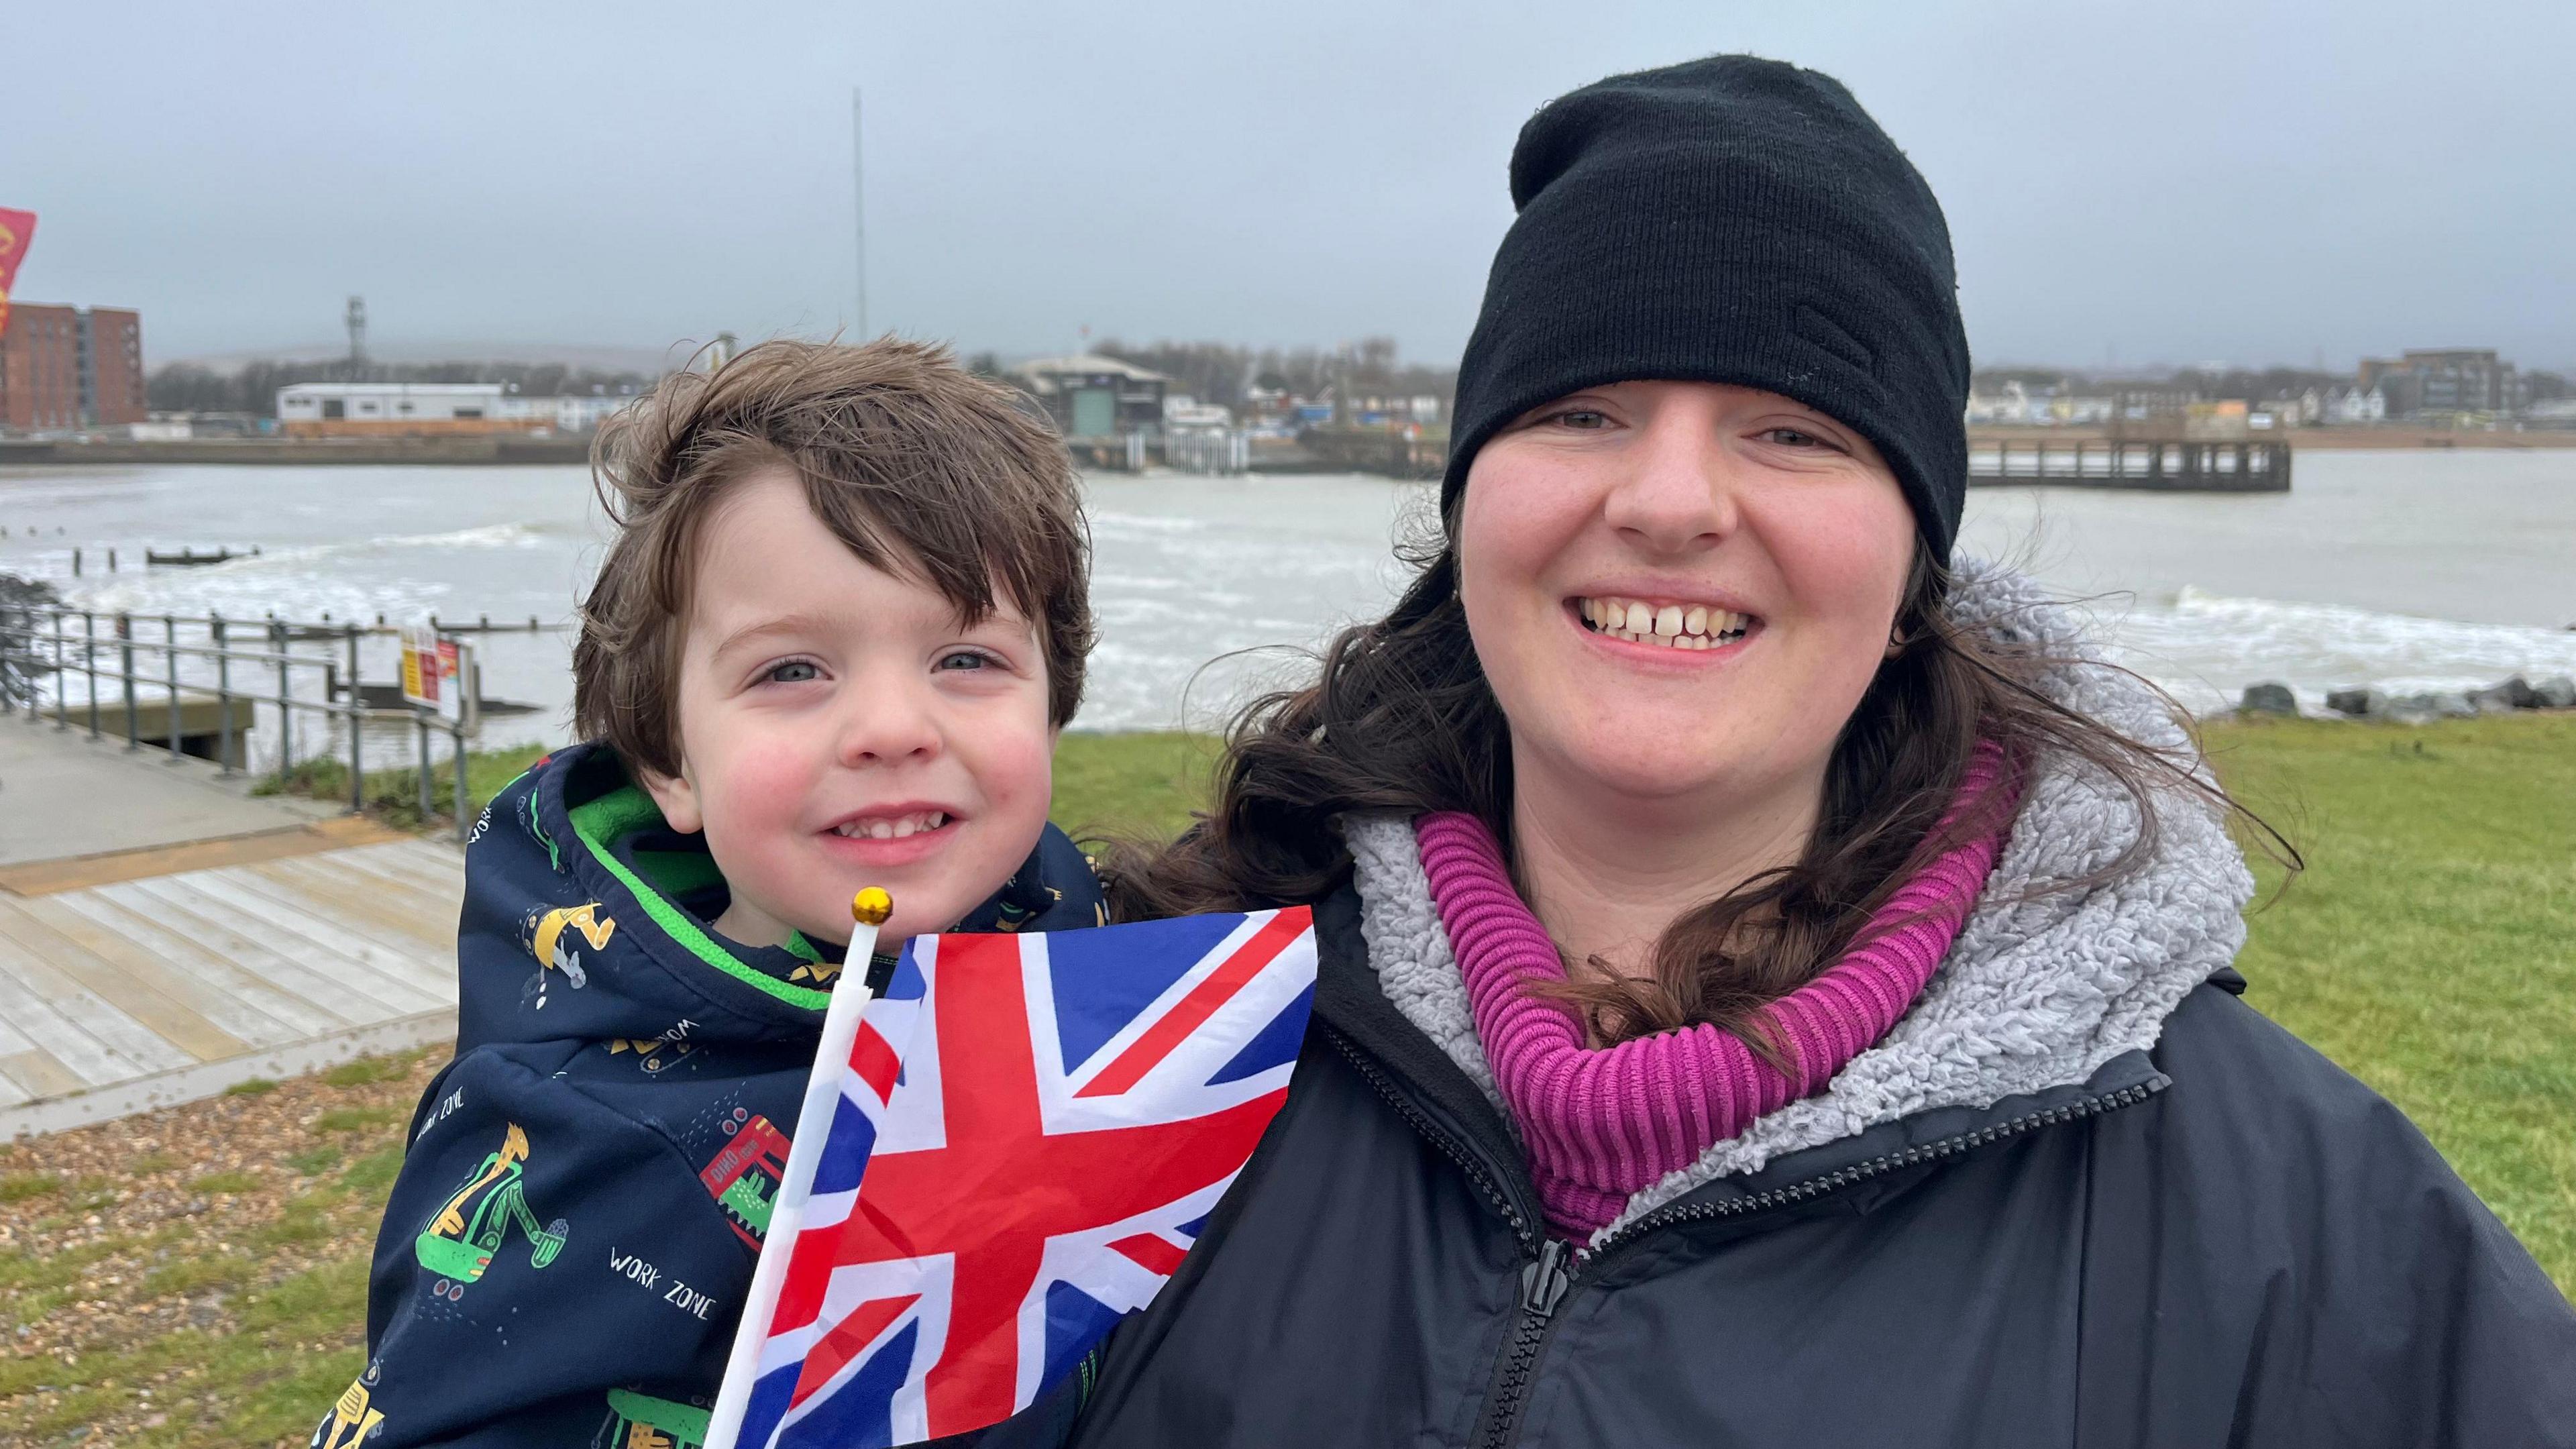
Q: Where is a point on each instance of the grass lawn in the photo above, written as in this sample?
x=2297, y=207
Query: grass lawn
x=2430, y=946
x=197, y=1276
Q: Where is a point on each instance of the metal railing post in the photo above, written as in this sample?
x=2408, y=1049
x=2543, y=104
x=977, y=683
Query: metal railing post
x=223, y=694
x=357, y=722
x=170, y=656
x=420, y=722
x=464, y=811
x=89, y=661
x=62, y=678
x=125, y=671
x=285, y=707
x=9, y=691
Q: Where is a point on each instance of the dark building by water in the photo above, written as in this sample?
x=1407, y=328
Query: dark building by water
x=1096, y=399
x=70, y=367
x=2441, y=382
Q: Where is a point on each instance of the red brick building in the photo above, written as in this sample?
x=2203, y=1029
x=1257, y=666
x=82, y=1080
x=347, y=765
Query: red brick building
x=70, y=367
x=40, y=368
x=112, y=367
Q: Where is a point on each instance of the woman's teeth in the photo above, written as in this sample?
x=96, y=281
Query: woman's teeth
x=1674, y=626
x=895, y=828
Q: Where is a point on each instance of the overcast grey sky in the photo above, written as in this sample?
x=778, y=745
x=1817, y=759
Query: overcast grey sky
x=2187, y=180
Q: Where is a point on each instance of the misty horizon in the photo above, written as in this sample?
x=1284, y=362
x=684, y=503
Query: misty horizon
x=2296, y=185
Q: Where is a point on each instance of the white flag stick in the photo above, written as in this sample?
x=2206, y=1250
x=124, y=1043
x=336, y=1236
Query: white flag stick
x=850, y=998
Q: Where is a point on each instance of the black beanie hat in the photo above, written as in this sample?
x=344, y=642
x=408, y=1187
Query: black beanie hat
x=1731, y=220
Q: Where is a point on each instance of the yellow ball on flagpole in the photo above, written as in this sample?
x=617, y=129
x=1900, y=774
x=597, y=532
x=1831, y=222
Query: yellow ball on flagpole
x=871, y=906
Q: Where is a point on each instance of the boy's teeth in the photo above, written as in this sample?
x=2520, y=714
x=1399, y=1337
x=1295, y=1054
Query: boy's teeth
x=1672, y=626
x=895, y=829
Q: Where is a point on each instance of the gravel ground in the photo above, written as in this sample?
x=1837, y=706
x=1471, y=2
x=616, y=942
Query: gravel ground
x=197, y=1275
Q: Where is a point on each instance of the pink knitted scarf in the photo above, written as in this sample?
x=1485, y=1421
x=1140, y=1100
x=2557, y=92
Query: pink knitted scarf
x=1600, y=1124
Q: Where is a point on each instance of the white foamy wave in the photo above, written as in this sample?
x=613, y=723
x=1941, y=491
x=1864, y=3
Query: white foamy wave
x=496, y=535
x=490, y=536
x=1124, y=525
x=400, y=576
x=2206, y=648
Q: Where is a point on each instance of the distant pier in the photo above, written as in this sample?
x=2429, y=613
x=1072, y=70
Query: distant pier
x=2156, y=465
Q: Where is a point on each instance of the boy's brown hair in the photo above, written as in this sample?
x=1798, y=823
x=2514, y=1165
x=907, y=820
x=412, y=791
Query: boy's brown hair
x=918, y=466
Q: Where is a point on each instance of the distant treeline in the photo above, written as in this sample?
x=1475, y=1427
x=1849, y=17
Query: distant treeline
x=1209, y=371
x=189, y=387
x=1216, y=372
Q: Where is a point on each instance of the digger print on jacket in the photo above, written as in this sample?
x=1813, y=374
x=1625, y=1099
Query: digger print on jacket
x=588, y=1183
x=555, y=937
x=469, y=1227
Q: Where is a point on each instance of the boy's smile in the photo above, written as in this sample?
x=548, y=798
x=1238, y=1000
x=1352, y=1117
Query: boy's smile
x=841, y=726
x=894, y=834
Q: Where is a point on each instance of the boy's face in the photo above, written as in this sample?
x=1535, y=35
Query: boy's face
x=840, y=728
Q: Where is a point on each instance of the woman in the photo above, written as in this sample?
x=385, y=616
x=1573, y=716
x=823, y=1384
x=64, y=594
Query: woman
x=1775, y=984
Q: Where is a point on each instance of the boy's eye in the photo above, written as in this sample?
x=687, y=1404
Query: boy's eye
x=965, y=659
x=793, y=671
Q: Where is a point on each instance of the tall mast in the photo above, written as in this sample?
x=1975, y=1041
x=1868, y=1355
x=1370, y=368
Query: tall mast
x=356, y=319
x=859, y=207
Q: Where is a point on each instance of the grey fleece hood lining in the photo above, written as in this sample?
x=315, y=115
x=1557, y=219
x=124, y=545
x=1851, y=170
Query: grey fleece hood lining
x=2041, y=988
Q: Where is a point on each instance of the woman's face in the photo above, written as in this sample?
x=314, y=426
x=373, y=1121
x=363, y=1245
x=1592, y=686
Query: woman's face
x=1680, y=589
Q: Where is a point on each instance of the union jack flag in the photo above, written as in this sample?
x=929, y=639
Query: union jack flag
x=1029, y=1135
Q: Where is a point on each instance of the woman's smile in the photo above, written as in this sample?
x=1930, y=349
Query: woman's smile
x=1672, y=627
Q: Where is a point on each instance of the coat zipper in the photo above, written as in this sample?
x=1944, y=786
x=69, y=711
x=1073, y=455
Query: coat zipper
x=1545, y=1283
x=1547, y=1278
x=1439, y=1137
x=1843, y=1177
x=1544, y=1278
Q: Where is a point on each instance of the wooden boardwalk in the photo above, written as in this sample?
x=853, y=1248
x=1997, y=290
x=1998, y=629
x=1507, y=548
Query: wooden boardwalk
x=135, y=979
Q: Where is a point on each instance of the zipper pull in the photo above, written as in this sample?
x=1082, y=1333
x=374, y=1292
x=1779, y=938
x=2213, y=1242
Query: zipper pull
x=1543, y=1283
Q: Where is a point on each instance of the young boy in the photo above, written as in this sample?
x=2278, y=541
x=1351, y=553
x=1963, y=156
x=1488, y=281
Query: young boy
x=842, y=621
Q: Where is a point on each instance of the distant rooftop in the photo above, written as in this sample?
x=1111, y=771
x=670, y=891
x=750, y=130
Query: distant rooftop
x=1087, y=363
x=391, y=389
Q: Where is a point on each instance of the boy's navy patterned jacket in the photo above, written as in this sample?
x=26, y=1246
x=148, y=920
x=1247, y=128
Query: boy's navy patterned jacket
x=587, y=1184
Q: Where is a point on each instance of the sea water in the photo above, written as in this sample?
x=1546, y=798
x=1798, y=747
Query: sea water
x=2406, y=570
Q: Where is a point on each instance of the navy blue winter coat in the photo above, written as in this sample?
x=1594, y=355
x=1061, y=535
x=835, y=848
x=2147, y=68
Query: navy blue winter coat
x=587, y=1184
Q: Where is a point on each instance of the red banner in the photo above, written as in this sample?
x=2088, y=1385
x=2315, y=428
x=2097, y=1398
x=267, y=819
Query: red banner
x=17, y=228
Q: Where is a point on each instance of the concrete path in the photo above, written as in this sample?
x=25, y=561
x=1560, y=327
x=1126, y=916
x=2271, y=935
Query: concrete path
x=164, y=936
x=65, y=794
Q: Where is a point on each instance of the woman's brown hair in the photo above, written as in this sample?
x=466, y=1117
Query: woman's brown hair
x=1401, y=720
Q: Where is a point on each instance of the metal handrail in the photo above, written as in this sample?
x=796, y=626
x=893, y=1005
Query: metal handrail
x=60, y=661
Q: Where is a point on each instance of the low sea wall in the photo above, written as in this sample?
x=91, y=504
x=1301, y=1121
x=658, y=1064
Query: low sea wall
x=2515, y=694
x=489, y=449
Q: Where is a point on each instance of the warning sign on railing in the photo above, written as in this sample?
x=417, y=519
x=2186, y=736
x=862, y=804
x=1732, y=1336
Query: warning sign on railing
x=421, y=661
